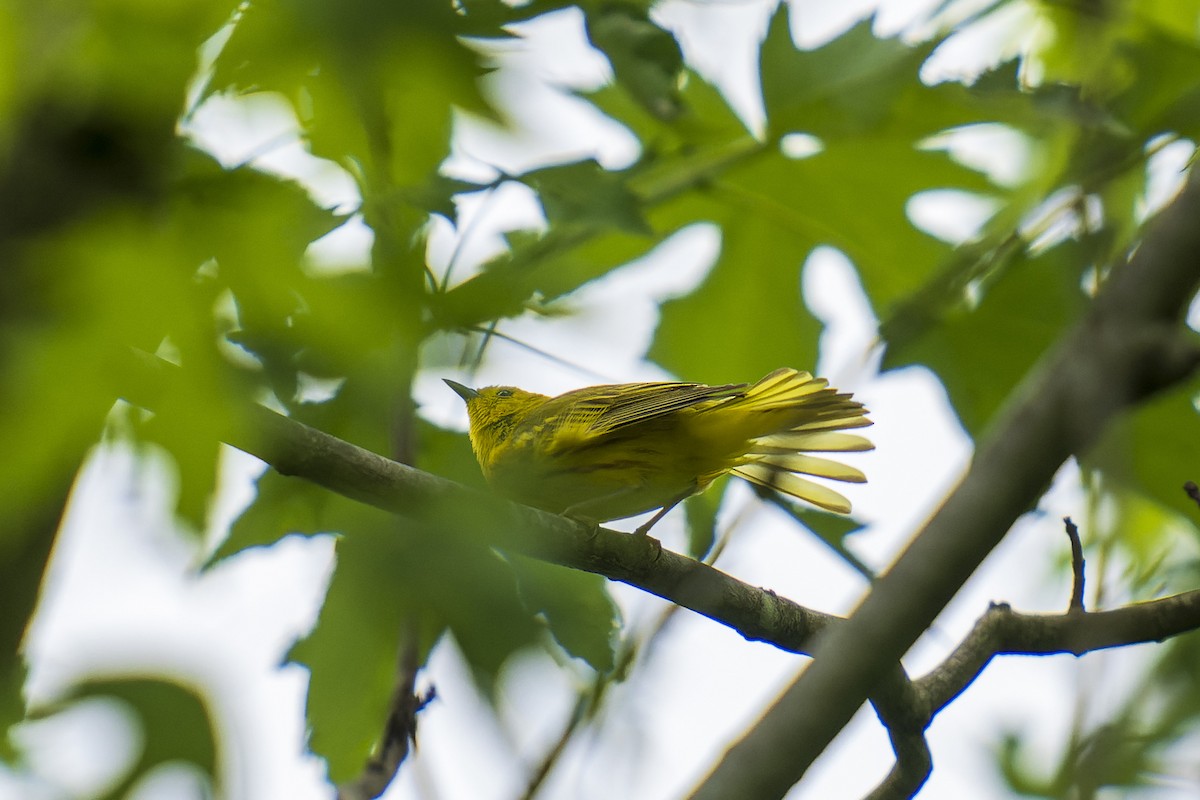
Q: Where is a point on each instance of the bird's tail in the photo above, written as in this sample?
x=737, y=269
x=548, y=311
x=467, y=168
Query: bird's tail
x=790, y=414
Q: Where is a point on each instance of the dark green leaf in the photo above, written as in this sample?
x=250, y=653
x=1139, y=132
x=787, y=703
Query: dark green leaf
x=1152, y=449
x=586, y=194
x=701, y=513
x=394, y=576
x=980, y=354
x=576, y=606
x=645, y=58
x=176, y=726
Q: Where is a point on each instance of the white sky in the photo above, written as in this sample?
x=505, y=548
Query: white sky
x=122, y=598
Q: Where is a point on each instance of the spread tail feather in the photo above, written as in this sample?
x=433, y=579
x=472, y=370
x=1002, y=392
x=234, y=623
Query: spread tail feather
x=805, y=416
x=794, y=485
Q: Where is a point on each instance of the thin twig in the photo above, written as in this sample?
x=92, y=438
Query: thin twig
x=1077, y=565
x=492, y=332
x=399, y=731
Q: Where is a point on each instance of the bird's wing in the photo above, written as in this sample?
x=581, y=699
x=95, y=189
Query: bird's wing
x=599, y=410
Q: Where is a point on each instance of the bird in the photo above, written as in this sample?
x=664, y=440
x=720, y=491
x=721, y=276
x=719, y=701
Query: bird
x=613, y=451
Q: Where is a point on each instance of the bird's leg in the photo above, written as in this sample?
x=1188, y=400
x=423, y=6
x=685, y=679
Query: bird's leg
x=644, y=528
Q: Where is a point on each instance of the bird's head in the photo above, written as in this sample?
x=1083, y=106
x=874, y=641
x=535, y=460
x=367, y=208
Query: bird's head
x=494, y=411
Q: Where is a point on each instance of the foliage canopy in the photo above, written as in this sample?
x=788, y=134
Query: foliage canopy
x=119, y=232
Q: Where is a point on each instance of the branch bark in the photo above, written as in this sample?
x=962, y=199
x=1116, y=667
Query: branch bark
x=1131, y=344
x=905, y=707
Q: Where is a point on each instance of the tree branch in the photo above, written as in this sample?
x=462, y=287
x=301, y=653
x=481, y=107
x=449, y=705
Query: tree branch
x=1002, y=631
x=295, y=449
x=1077, y=566
x=399, y=730
x=904, y=707
x=1130, y=344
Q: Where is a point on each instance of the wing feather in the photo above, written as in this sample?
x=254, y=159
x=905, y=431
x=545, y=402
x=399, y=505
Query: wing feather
x=628, y=404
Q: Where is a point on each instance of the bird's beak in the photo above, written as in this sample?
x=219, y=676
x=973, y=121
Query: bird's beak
x=465, y=392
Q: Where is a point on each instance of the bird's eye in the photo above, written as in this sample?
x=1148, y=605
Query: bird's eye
x=504, y=393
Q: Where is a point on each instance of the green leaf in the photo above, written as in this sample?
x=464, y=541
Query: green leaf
x=448, y=453
x=846, y=87
x=393, y=576
x=645, y=58
x=705, y=118
x=176, y=725
x=701, y=514
x=373, y=83
x=281, y=506
x=576, y=606
x=1151, y=449
x=980, y=354
x=568, y=256
x=747, y=318
x=585, y=193
x=543, y=267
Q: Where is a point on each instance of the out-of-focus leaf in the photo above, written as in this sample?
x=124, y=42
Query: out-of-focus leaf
x=701, y=515
x=704, y=118
x=372, y=82
x=576, y=606
x=448, y=453
x=1163, y=93
x=437, y=195
x=846, y=87
x=585, y=193
x=25, y=548
x=281, y=506
x=1116, y=754
x=980, y=354
x=176, y=725
x=1152, y=449
x=747, y=318
x=645, y=58
x=832, y=528
x=394, y=576
x=545, y=267
x=1149, y=532
x=284, y=505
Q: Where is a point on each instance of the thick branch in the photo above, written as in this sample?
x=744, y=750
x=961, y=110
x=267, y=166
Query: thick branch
x=1130, y=344
x=293, y=448
x=904, y=707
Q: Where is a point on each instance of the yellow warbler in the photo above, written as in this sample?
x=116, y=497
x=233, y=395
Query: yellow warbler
x=609, y=452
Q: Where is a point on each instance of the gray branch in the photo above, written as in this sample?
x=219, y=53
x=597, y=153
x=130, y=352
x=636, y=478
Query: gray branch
x=906, y=708
x=1132, y=343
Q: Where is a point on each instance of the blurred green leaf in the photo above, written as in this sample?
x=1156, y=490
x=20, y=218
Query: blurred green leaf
x=701, y=514
x=704, y=118
x=980, y=354
x=1152, y=449
x=394, y=575
x=585, y=193
x=846, y=87
x=576, y=606
x=373, y=83
x=175, y=720
x=645, y=58
x=281, y=506
x=448, y=453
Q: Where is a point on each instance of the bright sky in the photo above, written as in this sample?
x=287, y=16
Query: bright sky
x=122, y=598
